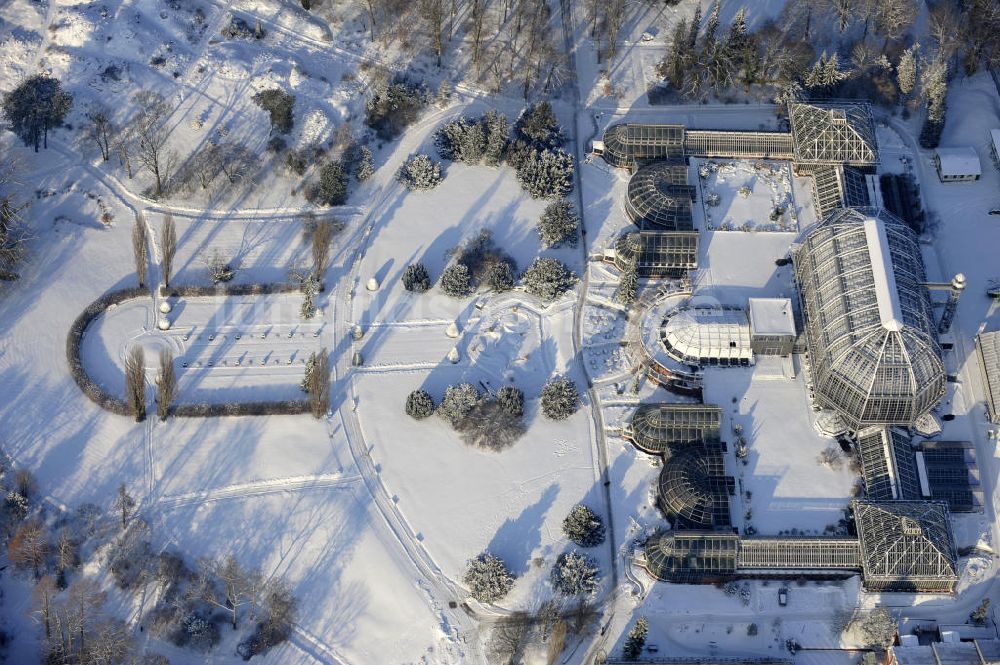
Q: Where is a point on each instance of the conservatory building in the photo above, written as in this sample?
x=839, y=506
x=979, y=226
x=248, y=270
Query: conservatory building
x=874, y=359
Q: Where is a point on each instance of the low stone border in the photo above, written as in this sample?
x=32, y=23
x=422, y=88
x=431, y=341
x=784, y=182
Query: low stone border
x=118, y=406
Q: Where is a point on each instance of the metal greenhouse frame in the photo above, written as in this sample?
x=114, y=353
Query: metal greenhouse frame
x=657, y=253
x=655, y=427
x=659, y=195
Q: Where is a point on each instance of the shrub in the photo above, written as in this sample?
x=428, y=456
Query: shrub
x=458, y=402
x=548, y=279
x=456, y=281
x=560, y=399
x=238, y=28
x=558, y=224
x=419, y=172
x=511, y=400
x=415, y=278
x=419, y=404
x=488, y=578
x=332, y=188
x=395, y=106
x=500, y=276
x=279, y=104
x=583, y=527
x=575, y=574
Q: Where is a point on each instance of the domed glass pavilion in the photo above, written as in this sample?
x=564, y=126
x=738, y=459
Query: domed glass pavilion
x=874, y=358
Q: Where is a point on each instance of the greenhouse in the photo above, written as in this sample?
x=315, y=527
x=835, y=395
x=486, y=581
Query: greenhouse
x=906, y=546
x=833, y=134
x=656, y=254
x=659, y=195
x=708, y=336
x=655, y=427
x=873, y=355
x=888, y=464
x=694, y=488
x=766, y=554
x=629, y=145
x=691, y=556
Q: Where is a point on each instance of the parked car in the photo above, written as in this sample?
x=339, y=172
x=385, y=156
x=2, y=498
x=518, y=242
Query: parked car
x=782, y=597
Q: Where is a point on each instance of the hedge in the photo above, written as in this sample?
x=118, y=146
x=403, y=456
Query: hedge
x=280, y=408
x=74, y=341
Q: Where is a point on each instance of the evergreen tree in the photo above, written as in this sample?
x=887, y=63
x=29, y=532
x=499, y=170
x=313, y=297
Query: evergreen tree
x=545, y=174
x=712, y=26
x=906, y=71
x=539, y=127
x=462, y=140
x=35, y=106
x=583, y=527
x=366, y=165
x=332, y=190
x=575, y=574
x=419, y=172
x=832, y=75
x=692, y=40
x=419, y=404
x=559, y=399
x=415, y=278
x=458, y=401
x=628, y=285
x=737, y=31
x=456, y=281
x=488, y=578
x=497, y=130
x=280, y=106
x=636, y=639
x=558, y=224
x=500, y=276
x=511, y=401
x=934, y=80
x=677, y=58
x=548, y=279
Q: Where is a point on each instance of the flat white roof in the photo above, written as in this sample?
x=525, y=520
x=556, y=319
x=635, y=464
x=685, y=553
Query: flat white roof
x=959, y=161
x=886, y=295
x=771, y=316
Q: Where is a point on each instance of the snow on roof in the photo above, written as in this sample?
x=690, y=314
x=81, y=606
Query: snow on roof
x=696, y=333
x=988, y=346
x=771, y=316
x=886, y=294
x=959, y=161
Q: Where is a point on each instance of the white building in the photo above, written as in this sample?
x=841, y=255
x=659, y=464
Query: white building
x=772, y=326
x=957, y=164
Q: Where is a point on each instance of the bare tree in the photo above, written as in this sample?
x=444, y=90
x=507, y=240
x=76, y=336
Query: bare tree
x=557, y=642
x=319, y=385
x=100, y=129
x=894, y=17
x=614, y=18
x=44, y=593
x=433, y=13
x=227, y=585
x=509, y=638
x=124, y=504
x=67, y=555
x=322, y=236
x=122, y=146
x=168, y=246
x=151, y=137
x=14, y=231
x=140, y=248
x=29, y=546
x=166, y=384
x=478, y=14
x=110, y=642
x=135, y=382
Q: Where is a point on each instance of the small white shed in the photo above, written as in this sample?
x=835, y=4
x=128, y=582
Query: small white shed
x=957, y=164
x=995, y=146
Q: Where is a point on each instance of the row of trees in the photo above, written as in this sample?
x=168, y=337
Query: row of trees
x=494, y=420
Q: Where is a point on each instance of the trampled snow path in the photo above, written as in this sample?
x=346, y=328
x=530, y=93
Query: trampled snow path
x=244, y=490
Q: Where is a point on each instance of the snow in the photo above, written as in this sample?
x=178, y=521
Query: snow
x=958, y=162
x=771, y=316
x=883, y=275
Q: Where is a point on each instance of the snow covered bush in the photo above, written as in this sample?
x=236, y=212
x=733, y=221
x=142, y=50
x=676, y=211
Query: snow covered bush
x=558, y=224
x=488, y=578
x=415, y=278
x=560, y=399
x=419, y=172
x=238, y=28
x=500, y=276
x=583, y=527
x=220, y=270
x=511, y=400
x=332, y=187
x=456, y=281
x=279, y=105
x=544, y=174
x=458, y=402
x=628, y=286
x=461, y=140
x=394, y=106
x=419, y=404
x=575, y=574
x=548, y=279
